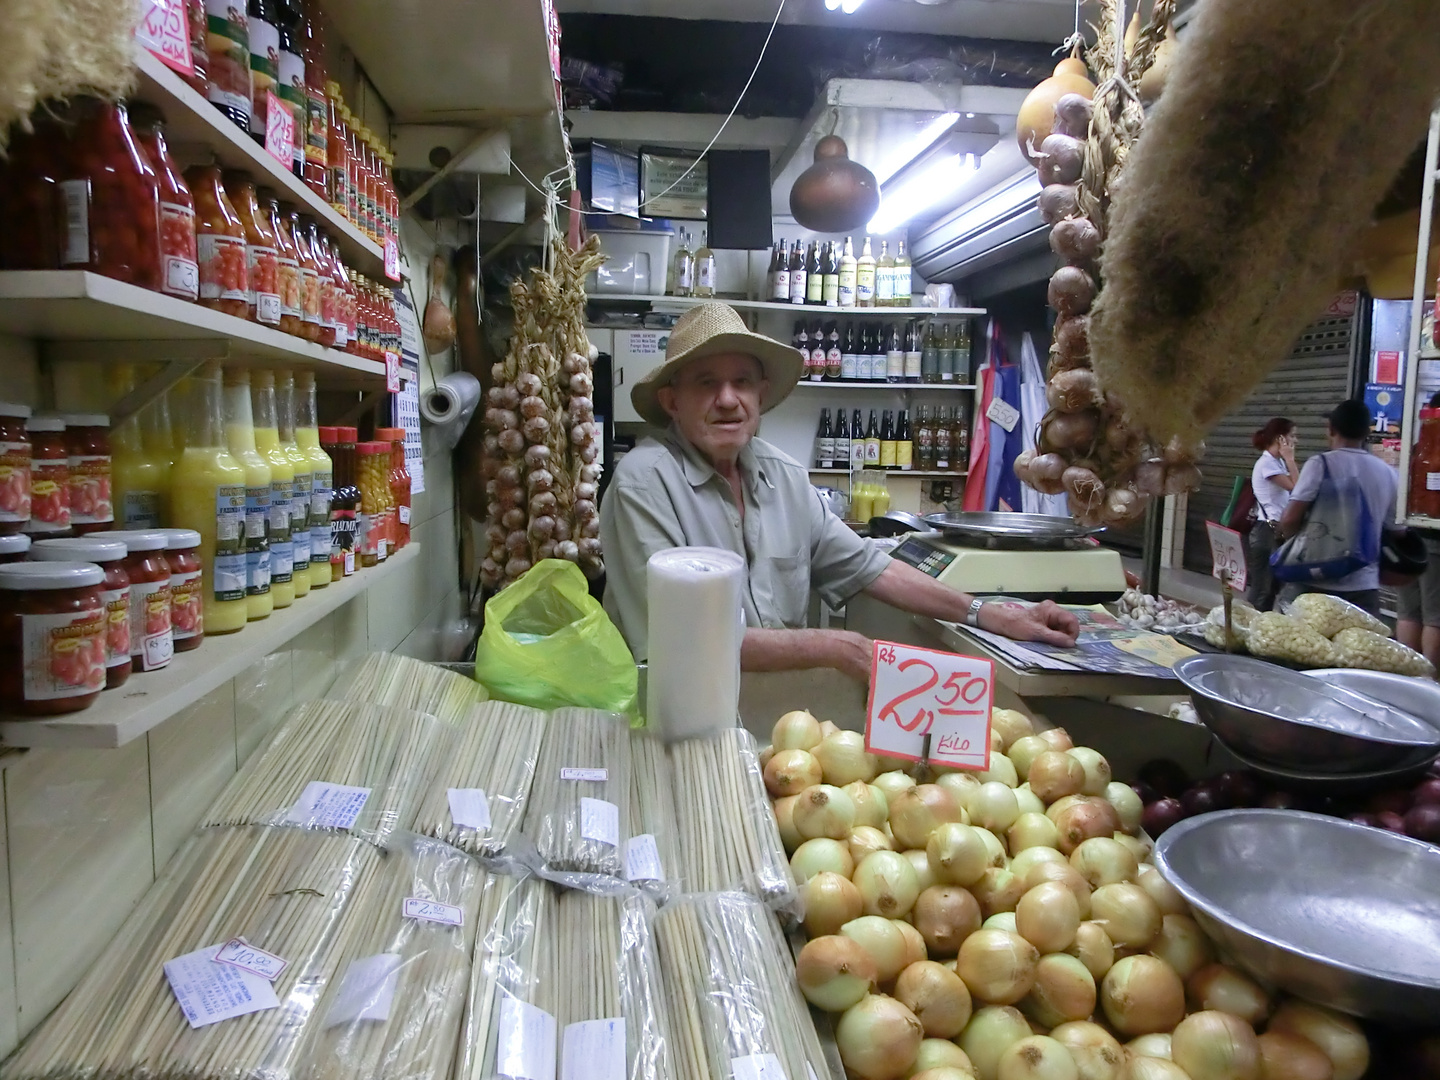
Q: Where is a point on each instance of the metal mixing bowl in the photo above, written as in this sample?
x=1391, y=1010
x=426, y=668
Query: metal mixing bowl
x=1338, y=913
x=1418, y=697
x=1300, y=723
x=1338, y=784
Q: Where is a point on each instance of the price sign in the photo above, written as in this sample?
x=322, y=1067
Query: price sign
x=1227, y=550
x=392, y=260
x=279, y=129
x=1003, y=413
x=918, y=692
x=165, y=31
x=392, y=373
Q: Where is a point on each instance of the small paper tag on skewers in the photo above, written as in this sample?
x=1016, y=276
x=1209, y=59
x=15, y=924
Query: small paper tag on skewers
x=469, y=808
x=208, y=992
x=600, y=821
x=642, y=859
x=526, y=1045
x=758, y=1067
x=242, y=954
x=594, y=1050
x=585, y=774
x=366, y=990
x=329, y=806
x=433, y=911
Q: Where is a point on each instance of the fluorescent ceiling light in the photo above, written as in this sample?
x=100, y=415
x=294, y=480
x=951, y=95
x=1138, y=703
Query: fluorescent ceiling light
x=922, y=190
x=850, y=6
x=932, y=133
x=1020, y=190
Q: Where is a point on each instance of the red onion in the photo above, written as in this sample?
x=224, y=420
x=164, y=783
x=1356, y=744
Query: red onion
x=1423, y=822
x=1427, y=792
x=1161, y=814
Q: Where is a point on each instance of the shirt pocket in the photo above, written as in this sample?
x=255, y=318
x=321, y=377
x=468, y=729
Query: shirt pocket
x=788, y=587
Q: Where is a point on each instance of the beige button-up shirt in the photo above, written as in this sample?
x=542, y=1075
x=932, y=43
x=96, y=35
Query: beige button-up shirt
x=665, y=495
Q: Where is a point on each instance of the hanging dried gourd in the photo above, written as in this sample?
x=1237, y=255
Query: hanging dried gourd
x=542, y=444
x=1090, y=447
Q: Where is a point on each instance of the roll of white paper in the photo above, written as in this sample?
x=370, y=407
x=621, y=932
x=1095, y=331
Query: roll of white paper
x=449, y=405
x=696, y=625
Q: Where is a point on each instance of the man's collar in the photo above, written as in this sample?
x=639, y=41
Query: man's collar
x=699, y=471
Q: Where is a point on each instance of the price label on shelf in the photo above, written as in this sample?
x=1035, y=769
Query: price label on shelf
x=165, y=31
x=392, y=260
x=1227, y=551
x=279, y=129
x=919, y=692
x=392, y=372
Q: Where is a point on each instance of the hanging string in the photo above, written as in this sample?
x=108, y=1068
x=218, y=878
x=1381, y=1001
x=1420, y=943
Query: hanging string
x=1076, y=39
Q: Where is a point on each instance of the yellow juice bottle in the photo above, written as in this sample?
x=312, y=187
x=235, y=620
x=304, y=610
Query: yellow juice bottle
x=240, y=437
x=140, y=476
x=207, y=491
x=304, y=481
x=282, y=488
x=307, y=437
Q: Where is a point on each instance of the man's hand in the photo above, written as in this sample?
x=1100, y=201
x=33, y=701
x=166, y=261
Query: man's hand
x=1045, y=621
x=851, y=653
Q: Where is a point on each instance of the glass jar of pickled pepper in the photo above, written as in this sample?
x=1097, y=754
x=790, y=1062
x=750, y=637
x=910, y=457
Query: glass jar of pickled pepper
x=309, y=277
x=49, y=475
x=179, y=263
x=220, y=241
x=328, y=299
x=108, y=554
x=52, y=637
x=15, y=450
x=199, y=48
x=87, y=441
x=262, y=257
x=110, y=198
x=287, y=276
x=372, y=472
x=399, y=477
x=30, y=239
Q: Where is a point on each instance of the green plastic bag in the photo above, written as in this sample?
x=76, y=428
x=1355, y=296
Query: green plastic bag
x=548, y=644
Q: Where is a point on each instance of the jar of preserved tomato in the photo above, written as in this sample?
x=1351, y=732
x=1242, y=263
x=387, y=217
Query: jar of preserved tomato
x=111, y=199
x=337, y=149
x=309, y=276
x=30, y=240
x=228, y=62
x=287, y=267
x=328, y=298
x=199, y=48
x=14, y=547
x=187, y=610
x=49, y=474
x=52, y=637
x=152, y=643
x=353, y=209
x=87, y=443
x=14, y=467
x=399, y=477
x=220, y=242
x=179, y=263
x=262, y=257
x=108, y=554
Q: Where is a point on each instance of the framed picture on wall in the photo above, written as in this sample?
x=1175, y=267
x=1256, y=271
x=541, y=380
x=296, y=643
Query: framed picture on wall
x=665, y=189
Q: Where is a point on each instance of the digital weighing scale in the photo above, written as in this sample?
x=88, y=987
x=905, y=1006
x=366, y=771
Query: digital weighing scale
x=1027, y=556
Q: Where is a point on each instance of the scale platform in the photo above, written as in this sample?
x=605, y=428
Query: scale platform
x=1081, y=572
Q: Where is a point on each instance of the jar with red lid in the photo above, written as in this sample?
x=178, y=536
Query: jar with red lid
x=262, y=257
x=52, y=637
x=14, y=467
x=179, y=262
x=399, y=482
x=108, y=554
x=152, y=643
x=287, y=264
x=309, y=276
x=49, y=475
x=328, y=298
x=220, y=243
x=14, y=547
x=187, y=612
x=110, y=199
x=87, y=442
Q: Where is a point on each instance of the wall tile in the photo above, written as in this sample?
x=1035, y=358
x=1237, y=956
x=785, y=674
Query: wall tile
x=398, y=603
x=9, y=1007
x=192, y=755
x=312, y=659
x=350, y=627
x=264, y=693
x=80, y=857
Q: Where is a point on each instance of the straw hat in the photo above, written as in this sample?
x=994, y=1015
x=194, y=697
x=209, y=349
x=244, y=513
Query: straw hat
x=708, y=330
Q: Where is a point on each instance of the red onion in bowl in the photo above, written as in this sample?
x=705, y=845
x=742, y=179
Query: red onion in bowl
x=1161, y=814
x=1427, y=792
x=1423, y=822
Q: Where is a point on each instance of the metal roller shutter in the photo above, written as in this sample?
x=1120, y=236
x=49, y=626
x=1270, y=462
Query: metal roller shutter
x=1305, y=387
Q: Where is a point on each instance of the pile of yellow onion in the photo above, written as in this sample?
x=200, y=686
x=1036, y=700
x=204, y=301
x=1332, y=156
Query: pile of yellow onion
x=1005, y=925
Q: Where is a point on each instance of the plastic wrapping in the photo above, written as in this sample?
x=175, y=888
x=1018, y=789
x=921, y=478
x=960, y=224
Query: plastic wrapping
x=652, y=853
x=727, y=829
x=1241, y=616
x=1328, y=614
x=1283, y=637
x=394, y=1010
x=338, y=764
x=399, y=681
x=579, y=812
x=734, y=1006
x=283, y=891
x=1359, y=648
x=478, y=798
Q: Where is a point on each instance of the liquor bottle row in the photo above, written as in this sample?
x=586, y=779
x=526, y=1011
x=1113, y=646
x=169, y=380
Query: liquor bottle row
x=934, y=355
x=692, y=273
x=831, y=276
x=938, y=443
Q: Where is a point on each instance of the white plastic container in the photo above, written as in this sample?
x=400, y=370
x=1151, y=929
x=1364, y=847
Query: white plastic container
x=639, y=262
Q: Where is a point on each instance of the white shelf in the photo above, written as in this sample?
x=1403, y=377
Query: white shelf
x=195, y=129
x=798, y=310
x=148, y=699
x=904, y=474
x=904, y=388
x=76, y=305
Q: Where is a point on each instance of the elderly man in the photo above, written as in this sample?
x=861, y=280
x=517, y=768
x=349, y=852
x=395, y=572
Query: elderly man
x=708, y=481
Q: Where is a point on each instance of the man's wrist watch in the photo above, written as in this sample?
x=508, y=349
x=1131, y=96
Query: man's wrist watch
x=972, y=617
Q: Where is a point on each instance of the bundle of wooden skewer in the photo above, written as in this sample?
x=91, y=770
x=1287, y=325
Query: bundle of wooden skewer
x=731, y=992
x=579, y=813
x=403, y=683
x=727, y=829
x=392, y=752
x=653, y=849
x=496, y=748
x=396, y=1008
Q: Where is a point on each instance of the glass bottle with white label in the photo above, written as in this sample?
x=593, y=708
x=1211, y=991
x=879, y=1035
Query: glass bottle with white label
x=705, y=269
x=848, y=274
x=682, y=269
x=865, y=271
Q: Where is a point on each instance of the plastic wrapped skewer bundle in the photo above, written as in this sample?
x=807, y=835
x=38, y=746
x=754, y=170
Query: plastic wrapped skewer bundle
x=288, y=892
x=399, y=681
x=579, y=812
x=727, y=829
x=397, y=1003
x=652, y=853
x=338, y=764
x=734, y=1007
x=478, y=799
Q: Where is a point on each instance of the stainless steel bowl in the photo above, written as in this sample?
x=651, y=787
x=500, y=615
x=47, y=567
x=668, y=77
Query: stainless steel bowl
x=1319, y=783
x=1418, y=697
x=1296, y=722
x=1338, y=913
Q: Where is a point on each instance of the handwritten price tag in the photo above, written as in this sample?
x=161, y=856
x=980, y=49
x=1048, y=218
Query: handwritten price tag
x=918, y=692
x=279, y=129
x=1003, y=413
x=433, y=911
x=239, y=953
x=164, y=30
x=1227, y=550
x=392, y=373
x=392, y=260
